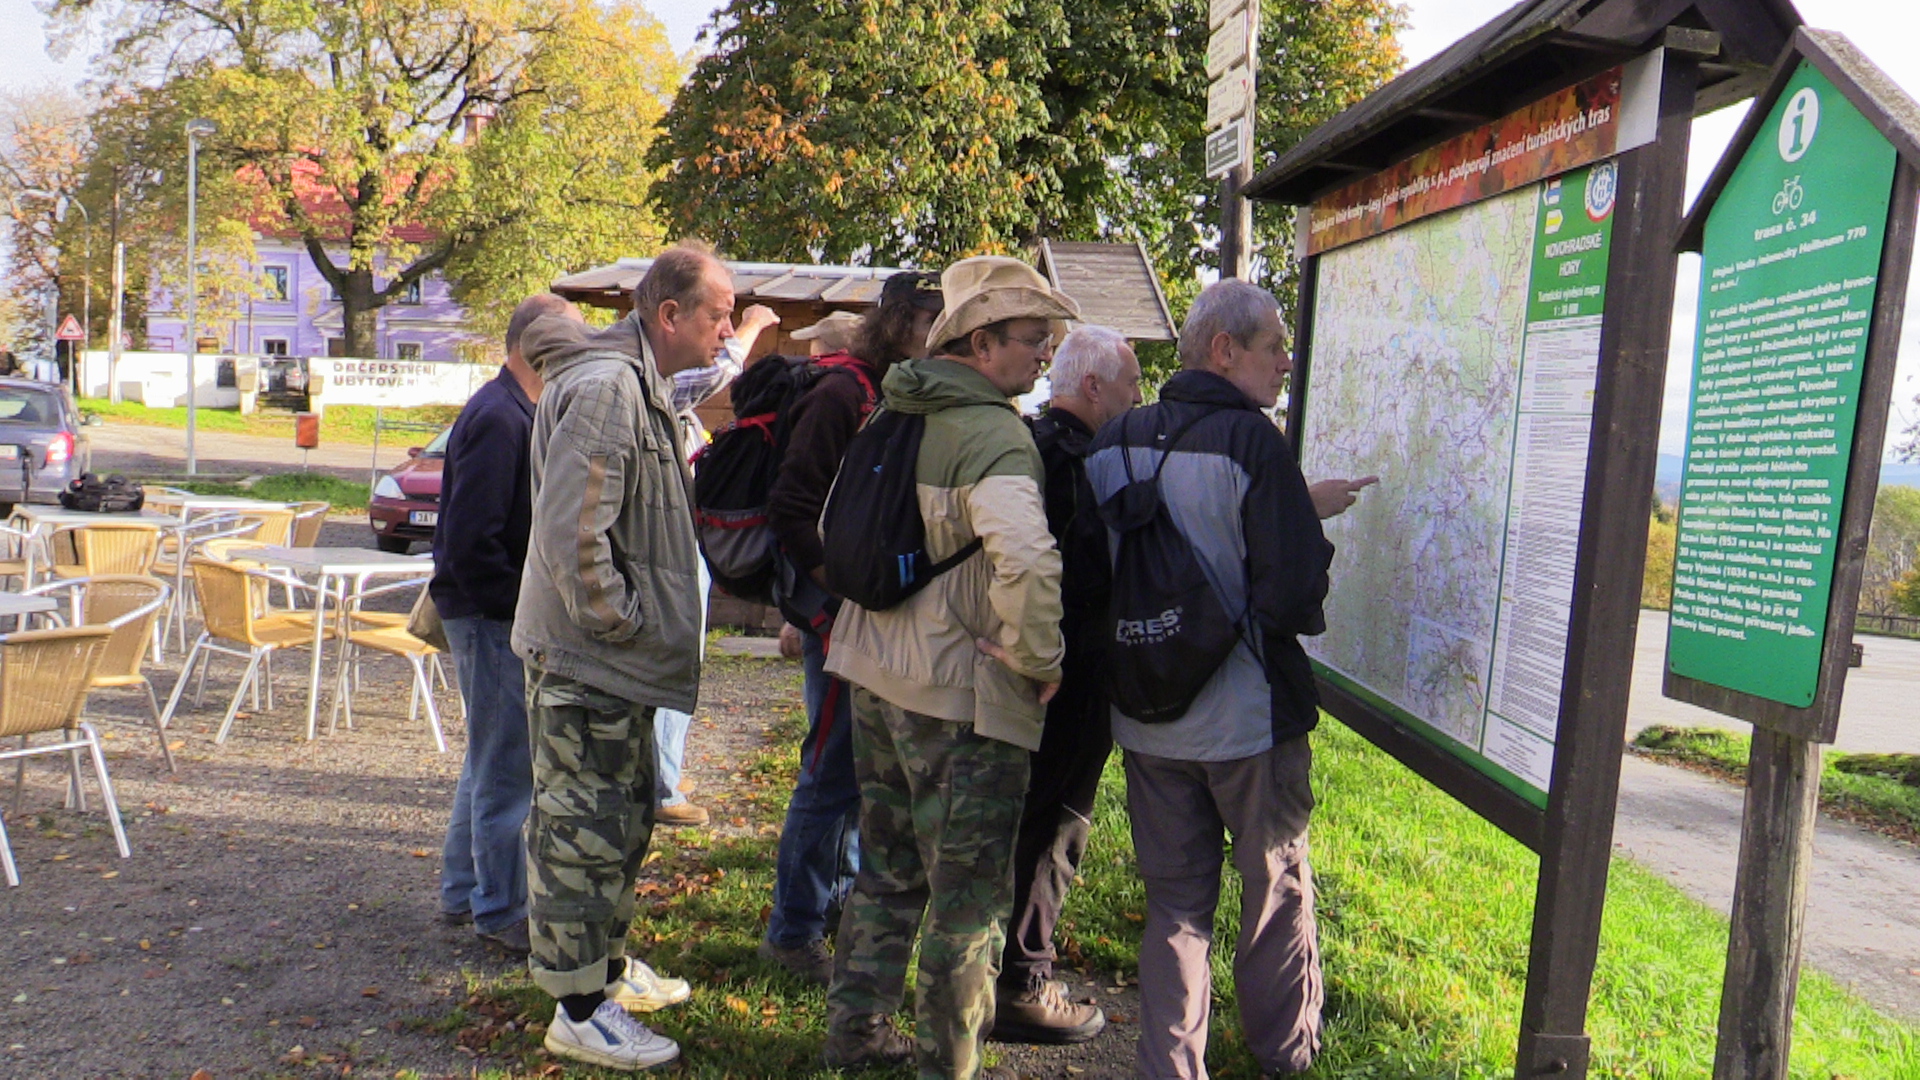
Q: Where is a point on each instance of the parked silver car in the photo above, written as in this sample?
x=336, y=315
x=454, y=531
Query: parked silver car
x=42, y=443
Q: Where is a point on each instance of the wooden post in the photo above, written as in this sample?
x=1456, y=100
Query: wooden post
x=1769, y=908
x=1236, y=221
x=1578, y=848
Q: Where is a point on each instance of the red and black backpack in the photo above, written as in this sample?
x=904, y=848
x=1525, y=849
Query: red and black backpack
x=733, y=474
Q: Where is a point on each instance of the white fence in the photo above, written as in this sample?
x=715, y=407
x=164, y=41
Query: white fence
x=159, y=379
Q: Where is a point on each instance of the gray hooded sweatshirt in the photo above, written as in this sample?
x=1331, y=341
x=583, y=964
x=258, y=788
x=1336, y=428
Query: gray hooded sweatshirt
x=610, y=596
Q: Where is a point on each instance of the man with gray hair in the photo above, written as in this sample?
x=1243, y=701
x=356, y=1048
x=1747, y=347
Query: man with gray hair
x=1095, y=378
x=1237, y=759
x=608, y=626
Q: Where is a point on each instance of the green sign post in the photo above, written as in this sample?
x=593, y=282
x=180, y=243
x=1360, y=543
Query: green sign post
x=1790, y=270
x=1806, y=234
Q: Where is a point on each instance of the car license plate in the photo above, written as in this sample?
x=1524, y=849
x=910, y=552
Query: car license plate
x=423, y=517
x=9, y=452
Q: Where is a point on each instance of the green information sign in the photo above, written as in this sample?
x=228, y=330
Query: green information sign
x=1788, y=276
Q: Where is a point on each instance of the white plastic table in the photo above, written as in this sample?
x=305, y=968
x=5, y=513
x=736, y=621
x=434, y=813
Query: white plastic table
x=331, y=565
x=13, y=604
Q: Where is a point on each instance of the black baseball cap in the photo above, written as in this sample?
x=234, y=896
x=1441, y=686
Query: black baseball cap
x=910, y=287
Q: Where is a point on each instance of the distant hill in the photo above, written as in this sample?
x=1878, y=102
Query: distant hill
x=1666, y=476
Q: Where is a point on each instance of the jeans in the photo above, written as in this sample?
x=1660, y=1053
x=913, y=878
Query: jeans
x=670, y=727
x=820, y=844
x=484, y=864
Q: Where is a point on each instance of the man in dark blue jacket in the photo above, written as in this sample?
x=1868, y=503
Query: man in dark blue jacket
x=479, y=548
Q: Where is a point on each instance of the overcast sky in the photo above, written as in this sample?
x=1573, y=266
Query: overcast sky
x=1886, y=30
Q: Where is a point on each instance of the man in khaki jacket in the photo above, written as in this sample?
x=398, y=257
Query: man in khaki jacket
x=608, y=626
x=950, y=687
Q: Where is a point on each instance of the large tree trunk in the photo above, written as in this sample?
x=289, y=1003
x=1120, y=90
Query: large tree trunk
x=359, y=314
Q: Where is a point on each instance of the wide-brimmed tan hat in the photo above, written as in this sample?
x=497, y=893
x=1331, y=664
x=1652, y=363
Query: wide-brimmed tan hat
x=835, y=331
x=990, y=288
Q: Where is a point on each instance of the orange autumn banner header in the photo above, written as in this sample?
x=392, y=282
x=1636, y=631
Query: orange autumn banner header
x=1576, y=126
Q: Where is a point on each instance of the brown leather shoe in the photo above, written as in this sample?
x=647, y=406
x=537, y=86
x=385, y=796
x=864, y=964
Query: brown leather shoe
x=882, y=1047
x=1045, y=1015
x=685, y=813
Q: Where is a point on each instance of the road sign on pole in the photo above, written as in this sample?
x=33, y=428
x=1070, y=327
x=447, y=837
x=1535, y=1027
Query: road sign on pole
x=70, y=330
x=1228, y=148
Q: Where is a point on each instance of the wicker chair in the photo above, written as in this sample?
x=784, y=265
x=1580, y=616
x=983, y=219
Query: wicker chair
x=276, y=526
x=239, y=624
x=308, y=519
x=130, y=606
x=394, y=641
x=177, y=550
x=109, y=547
x=44, y=675
x=18, y=554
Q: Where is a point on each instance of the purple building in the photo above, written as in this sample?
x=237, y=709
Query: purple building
x=299, y=315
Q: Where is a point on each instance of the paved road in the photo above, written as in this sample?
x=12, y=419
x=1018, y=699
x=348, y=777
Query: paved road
x=1863, y=899
x=1877, y=714
x=134, y=449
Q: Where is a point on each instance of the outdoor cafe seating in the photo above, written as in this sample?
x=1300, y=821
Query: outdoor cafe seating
x=44, y=678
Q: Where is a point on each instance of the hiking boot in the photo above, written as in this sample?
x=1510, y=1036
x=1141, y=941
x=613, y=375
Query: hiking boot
x=685, y=813
x=882, y=1047
x=455, y=918
x=510, y=939
x=641, y=989
x=609, y=1038
x=1044, y=1015
x=812, y=961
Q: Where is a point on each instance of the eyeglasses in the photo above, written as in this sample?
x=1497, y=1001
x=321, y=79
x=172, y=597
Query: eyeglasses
x=1043, y=343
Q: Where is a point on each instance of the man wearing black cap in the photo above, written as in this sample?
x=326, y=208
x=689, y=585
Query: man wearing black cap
x=819, y=846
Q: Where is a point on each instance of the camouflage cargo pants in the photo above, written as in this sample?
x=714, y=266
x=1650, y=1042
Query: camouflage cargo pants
x=939, y=809
x=588, y=833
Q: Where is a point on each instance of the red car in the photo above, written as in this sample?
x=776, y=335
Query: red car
x=405, y=506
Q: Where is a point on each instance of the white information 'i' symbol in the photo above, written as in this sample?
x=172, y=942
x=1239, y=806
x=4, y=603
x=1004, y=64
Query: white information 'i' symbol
x=1797, y=124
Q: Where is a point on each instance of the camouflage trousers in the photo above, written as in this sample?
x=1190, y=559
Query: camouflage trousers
x=939, y=810
x=588, y=833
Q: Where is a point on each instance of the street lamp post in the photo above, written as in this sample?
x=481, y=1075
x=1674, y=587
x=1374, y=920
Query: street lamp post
x=197, y=129
x=86, y=300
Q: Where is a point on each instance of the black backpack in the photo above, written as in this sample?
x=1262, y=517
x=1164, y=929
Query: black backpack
x=1166, y=629
x=875, y=540
x=733, y=474
x=115, y=494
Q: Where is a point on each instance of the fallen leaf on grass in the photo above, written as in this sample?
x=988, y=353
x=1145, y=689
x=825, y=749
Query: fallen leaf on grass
x=370, y=992
x=200, y=1074
x=110, y=875
x=420, y=853
x=739, y=1006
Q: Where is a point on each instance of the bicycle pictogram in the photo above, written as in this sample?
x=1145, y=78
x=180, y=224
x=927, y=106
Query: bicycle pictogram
x=1789, y=196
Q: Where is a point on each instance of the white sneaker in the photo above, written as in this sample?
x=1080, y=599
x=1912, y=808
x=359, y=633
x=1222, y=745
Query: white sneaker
x=609, y=1037
x=644, y=990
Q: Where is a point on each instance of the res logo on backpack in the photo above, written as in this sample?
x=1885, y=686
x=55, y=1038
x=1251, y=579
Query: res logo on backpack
x=1170, y=631
x=733, y=474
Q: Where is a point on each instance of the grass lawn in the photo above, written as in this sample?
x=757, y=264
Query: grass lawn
x=351, y=424
x=291, y=487
x=1424, y=911
x=1878, y=790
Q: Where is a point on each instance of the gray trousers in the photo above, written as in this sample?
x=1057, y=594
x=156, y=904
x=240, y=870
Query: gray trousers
x=1180, y=812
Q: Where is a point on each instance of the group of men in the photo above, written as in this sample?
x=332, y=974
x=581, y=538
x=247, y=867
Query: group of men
x=956, y=738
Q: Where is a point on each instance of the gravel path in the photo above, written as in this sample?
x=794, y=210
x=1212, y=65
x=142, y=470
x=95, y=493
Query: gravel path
x=277, y=917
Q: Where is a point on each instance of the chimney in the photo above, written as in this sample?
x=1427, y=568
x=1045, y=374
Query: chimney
x=476, y=121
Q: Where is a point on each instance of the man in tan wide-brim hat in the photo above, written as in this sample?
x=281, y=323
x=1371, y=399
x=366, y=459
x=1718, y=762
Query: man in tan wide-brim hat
x=944, y=720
